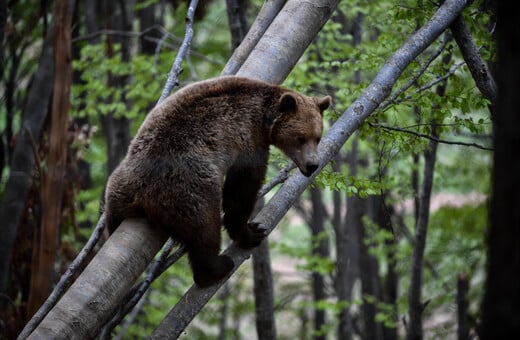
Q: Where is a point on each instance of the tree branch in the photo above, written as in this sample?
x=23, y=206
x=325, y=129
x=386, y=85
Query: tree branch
x=429, y=137
x=477, y=66
x=173, y=75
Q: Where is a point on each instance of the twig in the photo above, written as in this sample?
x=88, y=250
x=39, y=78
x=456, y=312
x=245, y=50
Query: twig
x=173, y=75
x=65, y=280
x=279, y=178
x=451, y=72
x=419, y=73
x=435, y=139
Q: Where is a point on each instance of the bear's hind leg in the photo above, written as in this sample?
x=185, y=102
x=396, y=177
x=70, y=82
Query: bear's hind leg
x=203, y=245
x=209, y=270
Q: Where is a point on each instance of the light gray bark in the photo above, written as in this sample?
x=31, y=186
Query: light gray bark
x=88, y=303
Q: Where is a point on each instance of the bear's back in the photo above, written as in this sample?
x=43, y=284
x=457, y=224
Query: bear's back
x=211, y=115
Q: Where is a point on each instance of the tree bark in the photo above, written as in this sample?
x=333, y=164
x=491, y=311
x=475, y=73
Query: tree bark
x=52, y=188
x=477, y=66
x=265, y=17
x=88, y=303
x=500, y=312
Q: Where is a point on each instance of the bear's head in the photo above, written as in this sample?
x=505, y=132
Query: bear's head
x=298, y=128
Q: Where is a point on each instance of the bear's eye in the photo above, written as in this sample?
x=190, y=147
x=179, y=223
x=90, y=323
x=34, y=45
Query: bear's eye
x=301, y=140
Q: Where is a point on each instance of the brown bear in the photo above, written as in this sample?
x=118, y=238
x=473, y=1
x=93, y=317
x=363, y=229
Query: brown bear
x=205, y=149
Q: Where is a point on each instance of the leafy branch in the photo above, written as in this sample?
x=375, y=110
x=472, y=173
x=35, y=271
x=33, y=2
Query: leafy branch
x=429, y=137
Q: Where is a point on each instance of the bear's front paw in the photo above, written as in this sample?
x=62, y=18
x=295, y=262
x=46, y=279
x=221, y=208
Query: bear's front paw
x=252, y=235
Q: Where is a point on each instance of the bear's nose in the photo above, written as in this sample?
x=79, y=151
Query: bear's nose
x=310, y=168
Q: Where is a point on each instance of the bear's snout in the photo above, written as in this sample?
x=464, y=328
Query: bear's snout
x=310, y=167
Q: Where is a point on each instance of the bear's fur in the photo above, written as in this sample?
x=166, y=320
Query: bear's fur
x=205, y=149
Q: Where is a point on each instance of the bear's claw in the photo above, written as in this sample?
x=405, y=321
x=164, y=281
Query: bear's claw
x=252, y=235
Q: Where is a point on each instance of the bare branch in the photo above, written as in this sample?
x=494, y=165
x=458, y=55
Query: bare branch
x=173, y=75
x=451, y=72
x=279, y=178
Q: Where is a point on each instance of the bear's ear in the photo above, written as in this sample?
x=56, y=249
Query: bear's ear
x=287, y=103
x=323, y=103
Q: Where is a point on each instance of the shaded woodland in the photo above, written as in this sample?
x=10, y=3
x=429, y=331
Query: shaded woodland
x=410, y=229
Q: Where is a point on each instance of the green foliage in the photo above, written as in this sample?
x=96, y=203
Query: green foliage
x=393, y=136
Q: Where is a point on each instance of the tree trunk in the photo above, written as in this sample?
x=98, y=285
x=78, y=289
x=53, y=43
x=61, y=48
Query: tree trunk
x=346, y=261
x=237, y=10
x=117, y=129
x=381, y=215
x=319, y=248
x=147, y=20
x=88, y=304
x=369, y=274
x=264, y=292
x=416, y=306
x=19, y=181
x=52, y=188
x=500, y=312
x=462, y=307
